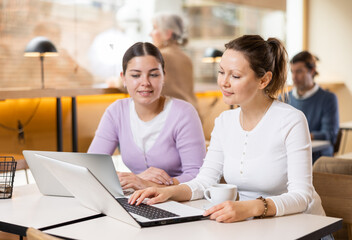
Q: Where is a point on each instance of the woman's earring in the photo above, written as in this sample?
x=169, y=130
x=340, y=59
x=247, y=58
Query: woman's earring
x=124, y=85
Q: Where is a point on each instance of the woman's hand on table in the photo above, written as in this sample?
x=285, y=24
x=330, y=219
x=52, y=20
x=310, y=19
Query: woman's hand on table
x=131, y=180
x=234, y=211
x=156, y=175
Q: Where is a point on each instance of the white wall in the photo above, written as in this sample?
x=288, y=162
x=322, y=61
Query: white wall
x=330, y=38
x=294, y=27
x=273, y=25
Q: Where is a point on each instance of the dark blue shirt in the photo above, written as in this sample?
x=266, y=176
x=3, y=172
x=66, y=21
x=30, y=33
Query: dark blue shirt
x=321, y=111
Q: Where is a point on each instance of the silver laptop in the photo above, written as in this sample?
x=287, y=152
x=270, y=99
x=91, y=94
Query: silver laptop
x=91, y=193
x=99, y=164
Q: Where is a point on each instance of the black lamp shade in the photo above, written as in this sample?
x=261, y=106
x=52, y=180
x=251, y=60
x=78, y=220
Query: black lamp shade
x=40, y=46
x=212, y=55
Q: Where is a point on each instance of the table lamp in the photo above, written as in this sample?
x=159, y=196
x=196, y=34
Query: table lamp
x=40, y=47
x=212, y=55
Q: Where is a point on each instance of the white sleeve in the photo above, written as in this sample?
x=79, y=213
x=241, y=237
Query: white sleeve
x=299, y=167
x=212, y=168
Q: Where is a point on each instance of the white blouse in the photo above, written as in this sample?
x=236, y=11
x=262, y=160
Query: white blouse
x=146, y=133
x=274, y=160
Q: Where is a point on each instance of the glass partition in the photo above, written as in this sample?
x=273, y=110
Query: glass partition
x=92, y=35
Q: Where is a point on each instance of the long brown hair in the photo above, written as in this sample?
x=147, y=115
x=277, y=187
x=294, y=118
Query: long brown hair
x=264, y=56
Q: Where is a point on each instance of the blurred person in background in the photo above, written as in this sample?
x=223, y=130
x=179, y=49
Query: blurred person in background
x=319, y=106
x=169, y=35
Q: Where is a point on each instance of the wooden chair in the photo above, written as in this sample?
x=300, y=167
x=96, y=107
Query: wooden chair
x=34, y=234
x=22, y=165
x=332, y=179
x=8, y=236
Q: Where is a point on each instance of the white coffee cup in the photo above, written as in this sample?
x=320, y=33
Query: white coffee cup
x=219, y=193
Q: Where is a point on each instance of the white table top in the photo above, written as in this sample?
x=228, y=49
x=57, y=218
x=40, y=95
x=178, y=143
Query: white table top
x=29, y=208
x=286, y=227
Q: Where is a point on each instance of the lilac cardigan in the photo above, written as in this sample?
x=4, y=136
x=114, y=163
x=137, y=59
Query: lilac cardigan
x=179, y=149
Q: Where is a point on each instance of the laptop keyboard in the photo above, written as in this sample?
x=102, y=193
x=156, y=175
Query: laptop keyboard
x=145, y=210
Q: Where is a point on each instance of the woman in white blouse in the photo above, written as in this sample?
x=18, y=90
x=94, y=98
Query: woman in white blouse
x=263, y=147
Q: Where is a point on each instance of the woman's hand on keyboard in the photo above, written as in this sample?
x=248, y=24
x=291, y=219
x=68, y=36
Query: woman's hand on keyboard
x=156, y=175
x=155, y=194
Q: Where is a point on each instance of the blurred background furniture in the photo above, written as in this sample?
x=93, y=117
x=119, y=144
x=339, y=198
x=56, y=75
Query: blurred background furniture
x=345, y=127
x=332, y=179
x=59, y=94
x=22, y=165
x=40, y=47
x=338, y=142
x=318, y=145
x=212, y=55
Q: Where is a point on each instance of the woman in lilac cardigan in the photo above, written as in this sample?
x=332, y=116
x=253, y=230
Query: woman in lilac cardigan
x=160, y=138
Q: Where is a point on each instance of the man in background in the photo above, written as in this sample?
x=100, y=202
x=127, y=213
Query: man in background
x=319, y=106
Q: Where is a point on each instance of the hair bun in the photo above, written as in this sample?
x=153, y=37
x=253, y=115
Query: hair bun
x=173, y=22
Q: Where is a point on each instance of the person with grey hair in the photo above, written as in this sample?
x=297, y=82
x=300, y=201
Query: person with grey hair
x=169, y=35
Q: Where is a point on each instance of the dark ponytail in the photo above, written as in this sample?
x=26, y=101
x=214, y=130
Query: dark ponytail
x=279, y=69
x=264, y=56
